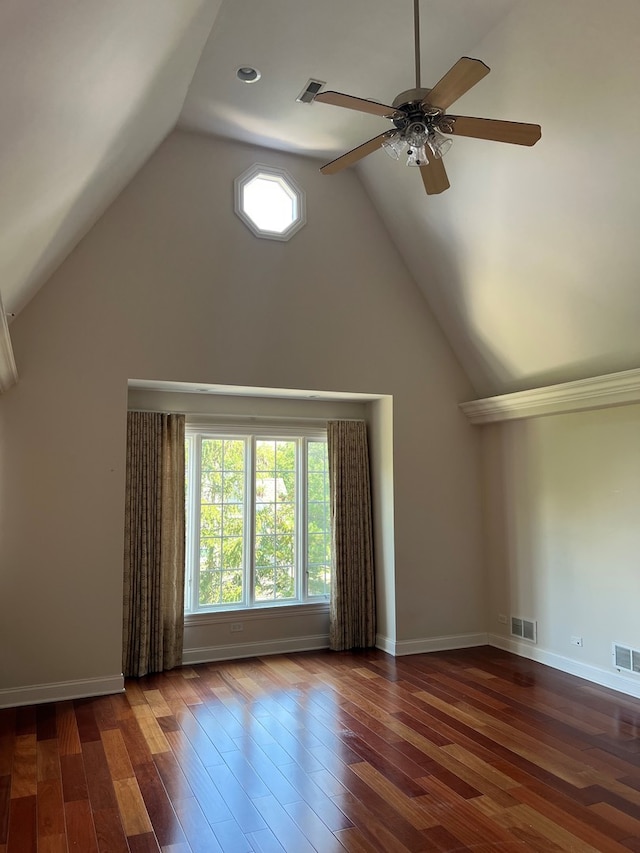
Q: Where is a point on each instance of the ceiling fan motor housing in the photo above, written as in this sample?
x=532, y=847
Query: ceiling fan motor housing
x=409, y=96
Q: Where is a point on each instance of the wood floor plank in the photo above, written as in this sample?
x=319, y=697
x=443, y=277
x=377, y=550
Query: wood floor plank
x=5, y=803
x=22, y=836
x=157, y=703
x=133, y=812
x=109, y=831
x=177, y=848
x=24, y=772
x=81, y=833
x=174, y=781
x=48, y=759
x=74, y=782
x=161, y=813
x=196, y=827
x=153, y=734
x=67, y=729
x=53, y=844
x=284, y=828
x=7, y=744
x=467, y=750
x=409, y=806
x=116, y=754
x=376, y=831
x=50, y=811
x=199, y=781
x=146, y=843
x=98, y=776
x=264, y=841
x=313, y=828
x=86, y=721
x=354, y=841
x=626, y=825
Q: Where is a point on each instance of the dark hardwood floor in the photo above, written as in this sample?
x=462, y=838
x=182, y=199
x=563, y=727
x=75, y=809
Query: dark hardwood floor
x=470, y=750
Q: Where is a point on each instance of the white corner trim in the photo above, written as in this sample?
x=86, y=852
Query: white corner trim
x=59, y=691
x=595, y=674
x=431, y=644
x=232, y=651
x=385, y=644
x=612, y=389
x=8, y=370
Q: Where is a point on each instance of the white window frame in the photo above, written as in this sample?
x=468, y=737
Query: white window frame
x=302, y=434
x=288, y=185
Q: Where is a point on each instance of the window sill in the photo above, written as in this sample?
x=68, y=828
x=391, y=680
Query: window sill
x=251, y=614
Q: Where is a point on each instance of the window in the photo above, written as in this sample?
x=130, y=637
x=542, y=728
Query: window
x=258, y=522
x=269, y=202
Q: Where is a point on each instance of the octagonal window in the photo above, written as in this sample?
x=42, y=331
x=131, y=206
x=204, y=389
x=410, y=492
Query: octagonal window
x=269, y=202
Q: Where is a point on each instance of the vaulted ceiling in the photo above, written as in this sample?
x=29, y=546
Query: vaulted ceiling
x=531, y=261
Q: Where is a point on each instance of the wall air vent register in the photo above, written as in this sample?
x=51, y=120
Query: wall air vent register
x=626, y=658
x=526, y=629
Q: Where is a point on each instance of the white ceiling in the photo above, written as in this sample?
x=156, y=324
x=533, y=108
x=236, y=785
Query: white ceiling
x=363, y=47
x=531, y=260
x=88, y=91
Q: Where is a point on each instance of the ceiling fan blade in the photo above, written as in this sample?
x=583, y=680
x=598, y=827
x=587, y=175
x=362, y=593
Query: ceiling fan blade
x=354, y=155
x=337, y=99
x=458, y=80
x=515, y=132
x=434, y=176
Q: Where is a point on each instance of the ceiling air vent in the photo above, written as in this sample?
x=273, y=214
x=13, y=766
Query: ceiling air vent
x=310, y=91
x=626, y=658
x=524, y=628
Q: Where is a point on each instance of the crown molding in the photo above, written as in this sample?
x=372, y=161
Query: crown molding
x=8, y=371
x=598, y=392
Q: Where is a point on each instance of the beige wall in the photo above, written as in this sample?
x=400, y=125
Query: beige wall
x=563, y=510
x=170, y=285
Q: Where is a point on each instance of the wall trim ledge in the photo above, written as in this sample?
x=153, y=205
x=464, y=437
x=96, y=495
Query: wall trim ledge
x=448, y=643
x=208, y=654
x=594, y=674
x=597, y=392
x=8, y=370
x=59, y=691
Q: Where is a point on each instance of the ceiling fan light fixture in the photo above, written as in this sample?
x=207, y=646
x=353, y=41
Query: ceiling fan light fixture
x=417, y=156
x=438, y=143
x=394, y=146
x=416, y=134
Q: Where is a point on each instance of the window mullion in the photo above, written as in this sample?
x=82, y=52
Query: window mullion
x=302, y=523
x=195, y=491
x=250, y=526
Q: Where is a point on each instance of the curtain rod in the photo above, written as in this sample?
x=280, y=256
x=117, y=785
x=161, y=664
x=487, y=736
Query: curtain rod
x=212, y=416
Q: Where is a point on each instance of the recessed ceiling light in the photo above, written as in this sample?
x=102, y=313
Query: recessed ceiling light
x=248, y=74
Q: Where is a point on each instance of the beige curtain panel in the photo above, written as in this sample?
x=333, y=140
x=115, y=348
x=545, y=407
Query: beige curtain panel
x=153, y=619
x=352, y=614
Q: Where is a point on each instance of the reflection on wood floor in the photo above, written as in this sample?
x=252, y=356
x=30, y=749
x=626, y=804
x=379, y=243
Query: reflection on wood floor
x=469, y=750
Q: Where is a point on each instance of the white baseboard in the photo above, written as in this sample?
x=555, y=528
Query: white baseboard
x=430, y=644
x=597, y=675
x=385, y=644
x=233, y=651
x=59, y=691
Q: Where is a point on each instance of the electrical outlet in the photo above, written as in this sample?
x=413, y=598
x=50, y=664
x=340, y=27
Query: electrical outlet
x=576, y=641
x=236, y=626
x=502, y=619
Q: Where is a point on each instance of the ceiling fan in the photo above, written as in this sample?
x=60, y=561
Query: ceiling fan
x=421, y=123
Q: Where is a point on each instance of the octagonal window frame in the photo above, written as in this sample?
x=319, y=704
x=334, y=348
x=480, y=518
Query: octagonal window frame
x=288, y=184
